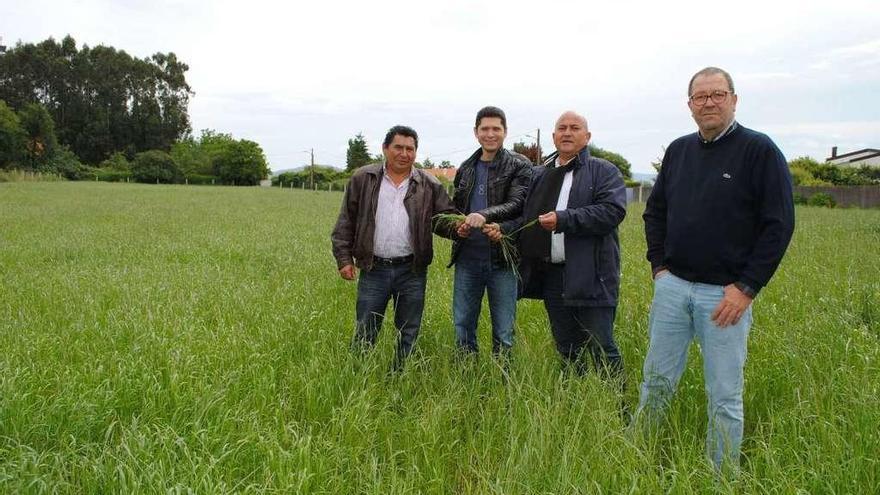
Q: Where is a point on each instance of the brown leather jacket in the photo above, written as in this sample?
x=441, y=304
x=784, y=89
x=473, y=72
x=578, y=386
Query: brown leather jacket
x=353, y=234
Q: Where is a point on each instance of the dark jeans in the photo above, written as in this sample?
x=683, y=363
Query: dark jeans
x=577, y=327
x=406, y=289
x=472, y=279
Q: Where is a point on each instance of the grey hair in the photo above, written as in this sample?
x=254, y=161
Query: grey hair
x=708, y=71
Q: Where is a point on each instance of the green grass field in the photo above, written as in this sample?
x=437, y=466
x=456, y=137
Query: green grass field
x=195, y=339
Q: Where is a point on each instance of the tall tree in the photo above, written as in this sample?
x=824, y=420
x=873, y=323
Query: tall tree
x=357, y=154
x=619, y=161
x=101, y=99
x=241, y=163
x=530, y=151
x=12, y=138
x=39, y=130
x=658, y=162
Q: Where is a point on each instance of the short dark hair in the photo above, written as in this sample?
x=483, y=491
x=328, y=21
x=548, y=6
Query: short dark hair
x=491, y=112
x=400, y=130
x=708, y=71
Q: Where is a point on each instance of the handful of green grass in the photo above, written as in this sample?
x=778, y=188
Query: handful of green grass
x=507, y=244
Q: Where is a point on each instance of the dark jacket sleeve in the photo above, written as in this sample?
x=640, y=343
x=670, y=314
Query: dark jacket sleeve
x=342, y=236
x=605, y=213
x=513, y=224
x=655, y=220
x=775, y=217
x=516, y=193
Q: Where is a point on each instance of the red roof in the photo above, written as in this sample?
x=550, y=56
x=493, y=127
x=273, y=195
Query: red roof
x=448, y=173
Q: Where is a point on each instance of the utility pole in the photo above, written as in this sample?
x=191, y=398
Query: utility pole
x=538, y=157
x=312, y=171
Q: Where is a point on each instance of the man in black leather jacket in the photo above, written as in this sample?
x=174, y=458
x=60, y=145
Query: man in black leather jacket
x=490, y=187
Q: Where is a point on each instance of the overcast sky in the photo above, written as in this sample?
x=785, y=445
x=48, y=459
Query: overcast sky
x=298, y=75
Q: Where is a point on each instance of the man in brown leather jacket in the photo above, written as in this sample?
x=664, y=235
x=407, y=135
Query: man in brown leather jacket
x=384, y=228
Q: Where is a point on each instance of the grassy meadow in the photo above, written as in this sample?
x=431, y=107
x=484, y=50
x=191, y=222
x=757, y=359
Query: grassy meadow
x=194, y=339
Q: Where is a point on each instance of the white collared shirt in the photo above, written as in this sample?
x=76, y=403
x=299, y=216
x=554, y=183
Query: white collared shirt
x=727, y=130
x=557, y=239
x=392, y=236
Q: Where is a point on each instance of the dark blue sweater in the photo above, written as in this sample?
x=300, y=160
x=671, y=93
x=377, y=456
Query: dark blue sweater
x=721, y=212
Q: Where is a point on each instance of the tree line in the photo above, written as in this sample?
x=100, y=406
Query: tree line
x=806, y=171
x=87, y=113
x=358, y=155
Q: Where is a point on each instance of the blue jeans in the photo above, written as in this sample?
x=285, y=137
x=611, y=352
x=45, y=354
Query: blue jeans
x=406, y=289
x=472, y=278
x=680, y=312
x=578, y=327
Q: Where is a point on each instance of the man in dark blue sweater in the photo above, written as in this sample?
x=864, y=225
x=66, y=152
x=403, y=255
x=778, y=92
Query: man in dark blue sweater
x=717, y=223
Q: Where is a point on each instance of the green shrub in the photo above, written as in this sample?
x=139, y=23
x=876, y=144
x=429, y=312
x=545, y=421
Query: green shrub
x=110, y=175
x=17, y=175
x=800, y=199
x=202, y=180
x=822, y=199
x=117, y=161
x=65, y=163
x=285, y=179
x=340, y=184
x=803, y=177
x=12, y=138
x=155, y=166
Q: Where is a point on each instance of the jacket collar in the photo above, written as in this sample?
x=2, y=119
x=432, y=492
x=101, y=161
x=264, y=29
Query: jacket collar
x=472, y=160
x=579, y=160
x=378, y=170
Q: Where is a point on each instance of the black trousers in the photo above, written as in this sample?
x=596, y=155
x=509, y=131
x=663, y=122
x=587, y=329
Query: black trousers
x=581, y=333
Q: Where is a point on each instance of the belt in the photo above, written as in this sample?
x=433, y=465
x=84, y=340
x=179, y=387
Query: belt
x=549, y=261
x=400, y=260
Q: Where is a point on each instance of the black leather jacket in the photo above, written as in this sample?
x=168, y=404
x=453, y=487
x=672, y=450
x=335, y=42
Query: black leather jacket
x=508, y=182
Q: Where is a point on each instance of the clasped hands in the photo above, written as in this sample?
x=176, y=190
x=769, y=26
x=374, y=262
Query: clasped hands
x=547, y=221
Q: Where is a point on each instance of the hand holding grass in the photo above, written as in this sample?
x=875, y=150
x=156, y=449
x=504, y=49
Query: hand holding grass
x=475, y=220
x=493, y=232
x=452, y=222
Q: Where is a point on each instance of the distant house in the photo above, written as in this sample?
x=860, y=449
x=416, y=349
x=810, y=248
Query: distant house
x=867, y=156
x=447, y=173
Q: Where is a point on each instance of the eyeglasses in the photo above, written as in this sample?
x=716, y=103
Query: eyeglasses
x=718, y=97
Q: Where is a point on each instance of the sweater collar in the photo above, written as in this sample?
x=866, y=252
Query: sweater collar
x=729, y=130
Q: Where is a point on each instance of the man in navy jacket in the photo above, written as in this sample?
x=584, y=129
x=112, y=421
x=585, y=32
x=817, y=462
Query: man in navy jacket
x=571, y=256
x=717, y=223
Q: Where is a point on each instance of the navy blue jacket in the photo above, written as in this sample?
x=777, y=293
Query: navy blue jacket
x=596, y=206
